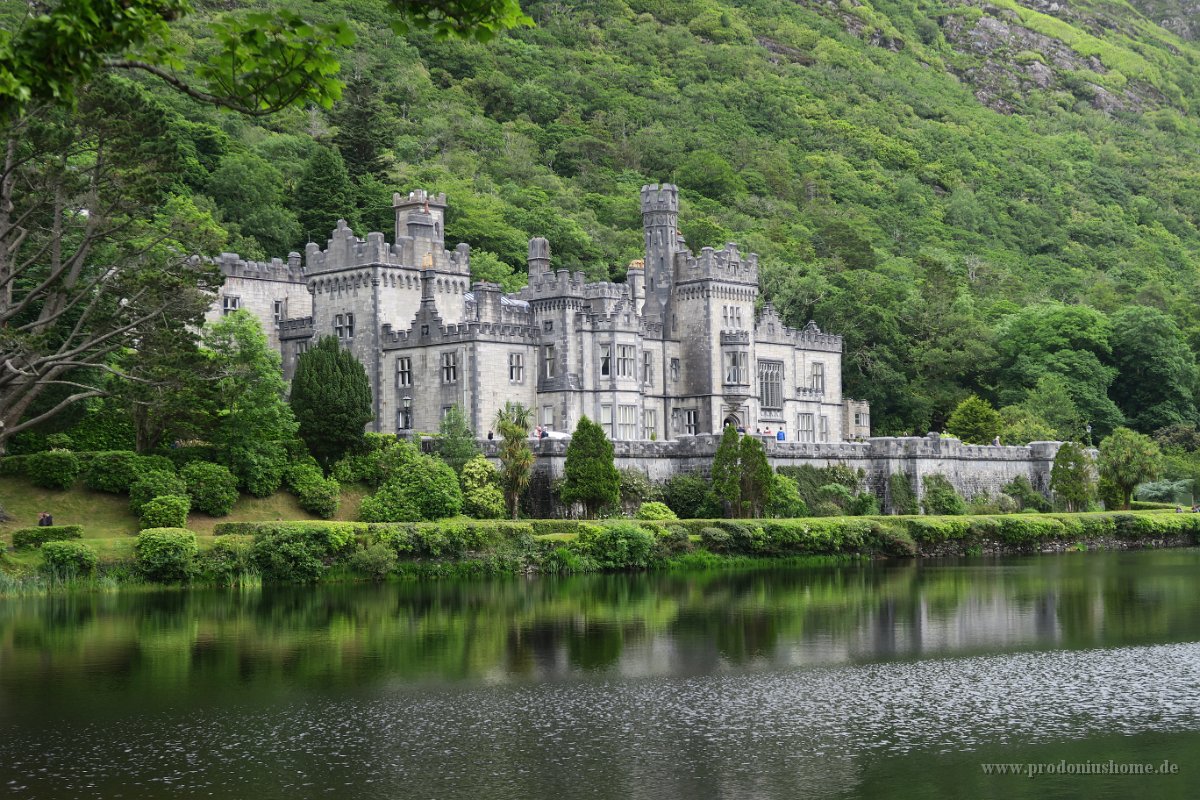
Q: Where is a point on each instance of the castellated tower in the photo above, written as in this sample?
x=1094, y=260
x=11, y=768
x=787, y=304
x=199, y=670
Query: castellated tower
x=660, y=221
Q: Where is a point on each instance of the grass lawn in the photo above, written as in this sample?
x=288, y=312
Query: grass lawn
x=107, y=516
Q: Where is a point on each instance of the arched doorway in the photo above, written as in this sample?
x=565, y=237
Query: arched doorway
x=731, y=420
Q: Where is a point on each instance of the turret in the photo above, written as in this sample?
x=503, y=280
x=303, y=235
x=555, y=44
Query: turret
x=660, y=221
x=539, y=257
x=635, y=276
x=429, y=211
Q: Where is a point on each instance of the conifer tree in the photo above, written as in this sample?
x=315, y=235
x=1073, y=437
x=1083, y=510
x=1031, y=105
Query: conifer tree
x=324, y=195
x=727, y=475
x=1071, y=478
x=456, y=442
x=591, y=475
x=756, y=475
x=974, y=421
x=331, y=399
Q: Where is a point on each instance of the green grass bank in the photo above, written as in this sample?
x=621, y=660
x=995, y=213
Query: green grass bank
x=254, y=552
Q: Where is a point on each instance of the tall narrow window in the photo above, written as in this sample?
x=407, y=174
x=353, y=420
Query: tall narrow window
x=450, y=367
x=339, y=326
x=516, y=368
x=627, y=422
x=823, y=429
x=349, y=326
x=404, y=371
x=770, y=384
x=647, y=368
x=277, y=310
x=735, y=367
x=674, y=369
x=691, y=421
x=818, y=377
x=548, y=361
x=606, y=420
x=605, y=359
x=548, y=417
x=804, y=428
x=230, y=304
x=649, y=423
x=625, y=360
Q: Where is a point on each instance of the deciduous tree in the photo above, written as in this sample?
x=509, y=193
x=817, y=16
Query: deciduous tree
x=1128, y=458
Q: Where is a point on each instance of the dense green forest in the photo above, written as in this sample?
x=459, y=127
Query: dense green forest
x=998, y=198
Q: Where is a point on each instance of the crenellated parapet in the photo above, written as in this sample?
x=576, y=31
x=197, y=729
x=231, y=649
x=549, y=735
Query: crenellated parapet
x=552, y=285
x=728, y=265
x=436, y=334
x=660, y=198
x=296, y=328
x=345, y=251
x=234, y=266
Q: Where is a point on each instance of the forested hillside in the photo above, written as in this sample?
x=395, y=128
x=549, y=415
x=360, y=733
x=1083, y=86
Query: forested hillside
x=993, y=198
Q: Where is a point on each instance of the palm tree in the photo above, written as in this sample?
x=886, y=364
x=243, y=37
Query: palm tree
x=516, y=459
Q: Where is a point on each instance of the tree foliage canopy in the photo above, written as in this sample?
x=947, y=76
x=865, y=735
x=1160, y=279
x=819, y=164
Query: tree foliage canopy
x=331, y=400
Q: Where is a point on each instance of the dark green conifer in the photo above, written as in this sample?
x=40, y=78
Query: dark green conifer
x=331, y=399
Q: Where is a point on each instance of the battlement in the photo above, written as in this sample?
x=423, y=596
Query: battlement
x=234, y=266
x=474, y=330
x=418, y=197
x=727, y=264
x=347, y=251
x=554, y=284
x=660, y=198
x=297, y=328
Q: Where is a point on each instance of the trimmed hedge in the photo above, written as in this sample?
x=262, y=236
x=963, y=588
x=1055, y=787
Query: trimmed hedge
x=53, y=469
x=165, y=554
x=69, y=559
x=114, y=471
x=212, y=488
x=316, y=493
x=26, y=538
x=156, y=483
x=167, y=511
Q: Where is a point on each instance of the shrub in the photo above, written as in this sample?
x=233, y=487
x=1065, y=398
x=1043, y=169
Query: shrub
x=287, y=557
x=636, y=488
x=716, y=539
x=259, y=469
x=226, y=562
x=785, y=498
x=480, y=482
x=165, y=554
x=940, y=497
x=863, y=504
x=904, y=499
x=894, y=541
x=155, y=483
x=53, y=469
x=69, y=559
x=376, y=562
x=687, y=495
x=675, y=540
x=316, y=493
x=112, y=471
x=167, y=511
x=619, y=546
x=655, y=510
x=25, y=538
x=213, y=488
x=426, y=489
x=1021, y=490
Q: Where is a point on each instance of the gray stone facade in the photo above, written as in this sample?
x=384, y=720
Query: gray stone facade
x=662, y=361
x=676, y=350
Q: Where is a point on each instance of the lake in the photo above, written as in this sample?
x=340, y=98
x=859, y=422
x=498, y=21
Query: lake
x=897, y=680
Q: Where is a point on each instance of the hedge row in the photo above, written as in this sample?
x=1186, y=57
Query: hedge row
x=24, y=538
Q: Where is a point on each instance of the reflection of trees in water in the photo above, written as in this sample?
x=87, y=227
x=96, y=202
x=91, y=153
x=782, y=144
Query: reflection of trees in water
x=350, y=634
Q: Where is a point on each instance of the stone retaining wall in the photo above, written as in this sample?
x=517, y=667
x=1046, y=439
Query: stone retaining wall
x=972, y=469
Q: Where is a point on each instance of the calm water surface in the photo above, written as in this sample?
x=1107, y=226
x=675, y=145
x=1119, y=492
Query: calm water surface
x=894, y=681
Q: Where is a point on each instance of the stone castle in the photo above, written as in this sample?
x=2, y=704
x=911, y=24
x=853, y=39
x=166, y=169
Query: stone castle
x=662, y=361
x=678, y=349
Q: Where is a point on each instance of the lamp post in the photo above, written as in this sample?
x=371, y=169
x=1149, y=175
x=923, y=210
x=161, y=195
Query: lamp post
x=1088, y=428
